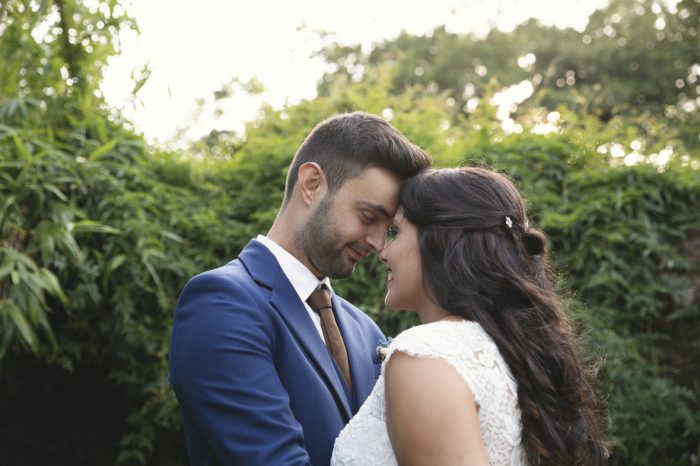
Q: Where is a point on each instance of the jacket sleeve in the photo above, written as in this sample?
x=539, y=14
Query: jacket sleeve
x=222, y=371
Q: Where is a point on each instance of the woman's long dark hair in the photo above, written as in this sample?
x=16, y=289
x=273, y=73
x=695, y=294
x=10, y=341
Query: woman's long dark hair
x=482, y=261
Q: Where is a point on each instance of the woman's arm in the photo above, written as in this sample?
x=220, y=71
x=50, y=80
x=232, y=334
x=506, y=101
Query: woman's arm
x=431, y=414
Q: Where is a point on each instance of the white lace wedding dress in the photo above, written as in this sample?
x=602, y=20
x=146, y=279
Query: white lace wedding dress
x=471, y=352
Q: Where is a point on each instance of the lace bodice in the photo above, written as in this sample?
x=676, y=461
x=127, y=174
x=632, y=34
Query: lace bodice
x=466, y=347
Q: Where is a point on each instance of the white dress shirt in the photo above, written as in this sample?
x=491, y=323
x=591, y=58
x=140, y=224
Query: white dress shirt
x=301, y=278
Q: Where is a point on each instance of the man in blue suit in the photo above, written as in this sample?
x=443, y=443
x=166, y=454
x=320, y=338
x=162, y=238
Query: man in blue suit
x=262, y=377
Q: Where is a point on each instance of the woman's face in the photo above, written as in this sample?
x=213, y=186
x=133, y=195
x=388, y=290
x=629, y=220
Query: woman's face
x=402, y=256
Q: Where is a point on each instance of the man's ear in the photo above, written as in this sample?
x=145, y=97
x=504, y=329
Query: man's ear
x=311, y=182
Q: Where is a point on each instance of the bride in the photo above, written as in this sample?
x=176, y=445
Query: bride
x=493, y=375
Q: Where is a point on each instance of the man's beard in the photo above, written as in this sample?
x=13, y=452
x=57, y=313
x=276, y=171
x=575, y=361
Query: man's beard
x=321, y=242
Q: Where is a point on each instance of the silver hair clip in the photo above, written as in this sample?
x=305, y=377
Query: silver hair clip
x=509, y=222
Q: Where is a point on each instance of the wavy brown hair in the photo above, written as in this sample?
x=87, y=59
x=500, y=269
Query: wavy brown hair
x=482, y=261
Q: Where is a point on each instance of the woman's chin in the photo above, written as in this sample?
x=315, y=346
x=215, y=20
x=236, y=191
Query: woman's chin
x=389, y=302
x=394, y=305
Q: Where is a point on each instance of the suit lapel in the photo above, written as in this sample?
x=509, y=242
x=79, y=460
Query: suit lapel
x=361, y=365
x=264, y=268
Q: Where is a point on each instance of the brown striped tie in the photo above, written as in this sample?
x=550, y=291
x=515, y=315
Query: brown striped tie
x=320, y=302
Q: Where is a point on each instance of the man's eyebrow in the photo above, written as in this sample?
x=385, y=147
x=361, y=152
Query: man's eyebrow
x=376, y=207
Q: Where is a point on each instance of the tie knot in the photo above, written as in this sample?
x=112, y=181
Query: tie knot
x=320, y=298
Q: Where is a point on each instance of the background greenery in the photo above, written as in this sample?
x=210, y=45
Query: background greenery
x=99, y=231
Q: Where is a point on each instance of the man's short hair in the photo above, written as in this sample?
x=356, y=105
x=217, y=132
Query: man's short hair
x=347, y=144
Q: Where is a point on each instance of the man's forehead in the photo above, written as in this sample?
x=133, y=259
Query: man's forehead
x=376, y=177
x=398, y=216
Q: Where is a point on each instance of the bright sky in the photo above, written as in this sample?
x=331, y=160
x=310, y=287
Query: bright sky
x=194, y=47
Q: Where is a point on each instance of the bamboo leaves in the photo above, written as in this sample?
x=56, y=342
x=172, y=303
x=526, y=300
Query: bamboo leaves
x=23, y=289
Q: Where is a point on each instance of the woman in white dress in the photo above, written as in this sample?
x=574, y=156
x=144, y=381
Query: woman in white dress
x=493, y=375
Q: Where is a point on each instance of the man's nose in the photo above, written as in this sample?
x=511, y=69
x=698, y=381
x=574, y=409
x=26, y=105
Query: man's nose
x=377, y=238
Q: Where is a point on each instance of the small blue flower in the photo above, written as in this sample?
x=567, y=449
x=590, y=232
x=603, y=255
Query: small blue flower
x=382, y=347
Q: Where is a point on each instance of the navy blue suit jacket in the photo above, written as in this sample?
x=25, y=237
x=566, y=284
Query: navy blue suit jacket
x=255, y=382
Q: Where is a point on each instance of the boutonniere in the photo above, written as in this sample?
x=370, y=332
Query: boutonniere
x=383, y=348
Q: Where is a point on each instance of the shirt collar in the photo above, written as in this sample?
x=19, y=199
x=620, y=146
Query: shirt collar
x=302, y=279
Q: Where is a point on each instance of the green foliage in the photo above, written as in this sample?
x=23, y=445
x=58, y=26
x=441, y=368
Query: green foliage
x=625, y=239
x=634, y=57
x=84, y=283
x=99, y=232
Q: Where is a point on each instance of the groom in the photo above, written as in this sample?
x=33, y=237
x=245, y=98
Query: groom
x=269, y=364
